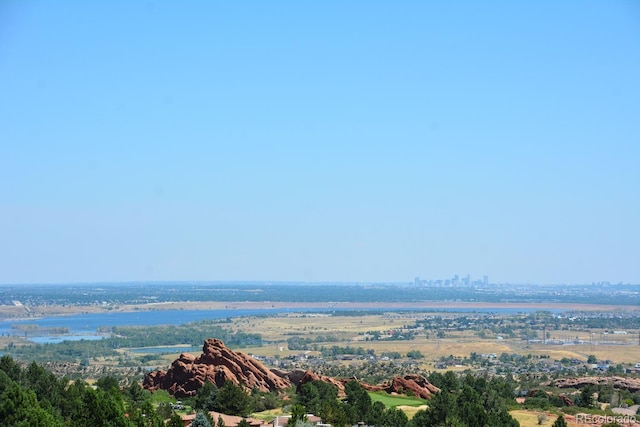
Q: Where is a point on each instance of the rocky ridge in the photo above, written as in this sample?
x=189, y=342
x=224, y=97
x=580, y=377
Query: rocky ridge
x=218, y=364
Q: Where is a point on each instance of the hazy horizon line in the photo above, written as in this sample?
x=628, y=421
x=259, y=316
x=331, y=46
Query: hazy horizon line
x=304, y=282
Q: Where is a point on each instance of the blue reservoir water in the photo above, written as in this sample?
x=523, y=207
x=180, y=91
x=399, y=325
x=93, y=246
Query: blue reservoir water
x=84, y=326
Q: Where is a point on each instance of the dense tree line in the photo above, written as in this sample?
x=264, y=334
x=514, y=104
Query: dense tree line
x=471, y=401
x=232, y=399
x=193, y=333
x=32, y=396
x=320, y=398
x=348, y=350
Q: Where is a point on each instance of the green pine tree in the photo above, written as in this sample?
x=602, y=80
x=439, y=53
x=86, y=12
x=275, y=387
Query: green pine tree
x=175, y=421
x=298, y=413
x=233, y=400
x=559, y=422
x=200, y=421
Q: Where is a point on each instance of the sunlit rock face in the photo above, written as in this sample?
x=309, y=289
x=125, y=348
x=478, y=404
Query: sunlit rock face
x=217, y=364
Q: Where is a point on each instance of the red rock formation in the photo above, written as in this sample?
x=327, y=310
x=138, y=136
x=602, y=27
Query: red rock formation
x=414, y=384
x=567, y=401
x=216, y=364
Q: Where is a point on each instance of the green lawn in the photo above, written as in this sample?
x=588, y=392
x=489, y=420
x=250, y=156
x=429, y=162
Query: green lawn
x=160, y=396
x=393, y=401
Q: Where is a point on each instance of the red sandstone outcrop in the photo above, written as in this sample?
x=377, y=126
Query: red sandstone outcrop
x=566, y=400
x=415, y=384
x=631, y=384
x=216, y=364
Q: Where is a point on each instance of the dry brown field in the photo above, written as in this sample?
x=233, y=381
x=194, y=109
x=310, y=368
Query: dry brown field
x=350, y=330
x=530, y=418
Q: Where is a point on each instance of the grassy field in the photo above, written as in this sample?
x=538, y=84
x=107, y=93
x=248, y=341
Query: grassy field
x=391, y=401
x=408, y=405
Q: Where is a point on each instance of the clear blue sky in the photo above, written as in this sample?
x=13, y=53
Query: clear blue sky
x=319, y=141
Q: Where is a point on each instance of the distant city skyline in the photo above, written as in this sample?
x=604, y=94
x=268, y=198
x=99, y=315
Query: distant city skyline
x=468, y=280
x=319, y=141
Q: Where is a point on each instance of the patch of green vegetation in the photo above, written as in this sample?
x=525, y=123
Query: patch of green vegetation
x=391, y=401
x=161, y=396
